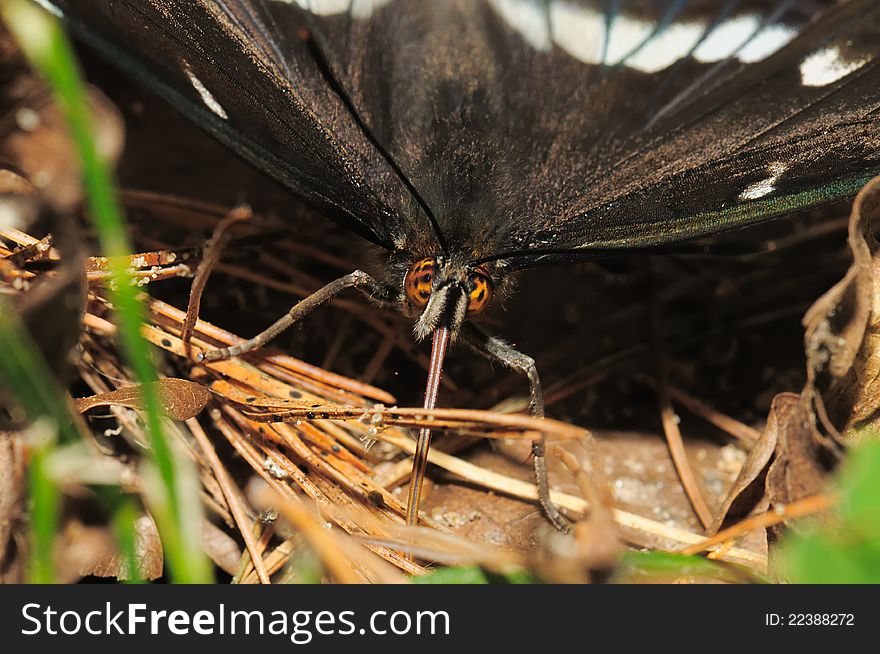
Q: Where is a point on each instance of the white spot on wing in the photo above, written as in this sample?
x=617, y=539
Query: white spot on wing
x=666, y=47
x=766, y=42
x=726, y=38
x=358, y=8
x=625, y=36
x=743, y=37
x=578, y=30
x=324, y=7
x=582, y=32
x=204, y=93
x=828, y=65
x=765, y=186
x=365, y=8
x=528, y=18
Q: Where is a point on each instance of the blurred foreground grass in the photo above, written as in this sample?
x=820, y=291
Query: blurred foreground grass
x=46, y=46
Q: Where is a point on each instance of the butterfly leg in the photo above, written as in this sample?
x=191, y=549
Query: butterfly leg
x=496, y=349
x=358, y=279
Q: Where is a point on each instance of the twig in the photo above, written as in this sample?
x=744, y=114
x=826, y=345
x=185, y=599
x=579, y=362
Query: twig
x=488, y=423
x=802, y=507
x=290, y=363
x=679, y=458
x=238, y=513
x=745, y=433
x=748, y=435
x=326, y=495
x=324, y=543
x=529, y=491
x=211, y=255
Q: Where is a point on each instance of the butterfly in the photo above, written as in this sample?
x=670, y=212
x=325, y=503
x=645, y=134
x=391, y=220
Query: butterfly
x=472, y=139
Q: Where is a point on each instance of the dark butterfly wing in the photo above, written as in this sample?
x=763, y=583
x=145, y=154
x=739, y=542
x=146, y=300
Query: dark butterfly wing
x=546, y=130
x=256, y=86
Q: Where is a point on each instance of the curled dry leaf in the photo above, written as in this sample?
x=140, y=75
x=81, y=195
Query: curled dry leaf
x=148, y=548
x=80, y=548
x=786, y=464
x=221, y=547
x=843, y=338
x=805, y=434
x=749, y=487
x=12, y=493
x=180, y=399
x=800, y=468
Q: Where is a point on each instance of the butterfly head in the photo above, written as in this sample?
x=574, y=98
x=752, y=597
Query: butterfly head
x=444, y=293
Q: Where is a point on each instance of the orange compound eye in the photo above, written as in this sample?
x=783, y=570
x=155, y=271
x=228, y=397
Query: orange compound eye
x=419, y=281
x=481, y=295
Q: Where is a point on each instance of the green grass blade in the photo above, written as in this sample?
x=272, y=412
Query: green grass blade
x=24, y=370
x=44, y=43
x=126, y=535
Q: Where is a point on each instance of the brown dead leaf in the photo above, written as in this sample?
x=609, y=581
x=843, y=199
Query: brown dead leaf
x=804, y=434
x=181, y=399
x=842, y=338
x=221, y=548
x=748, y=489
x=785, y=465
x=12, y=491
x=800, y=467
x=149, y=555
x=79, y=547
